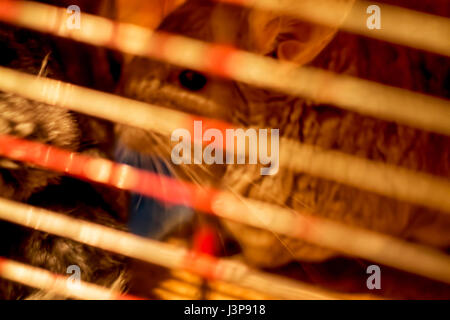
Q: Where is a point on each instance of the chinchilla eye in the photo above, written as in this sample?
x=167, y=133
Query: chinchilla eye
x=192, y=80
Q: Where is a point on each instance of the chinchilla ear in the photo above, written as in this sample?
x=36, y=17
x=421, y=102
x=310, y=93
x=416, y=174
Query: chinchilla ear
x=289, y=38
x=264, y=29
x=301, y=42
x=148, y=13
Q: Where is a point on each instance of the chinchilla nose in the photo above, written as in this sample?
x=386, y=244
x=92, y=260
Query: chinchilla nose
x=23, y=129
